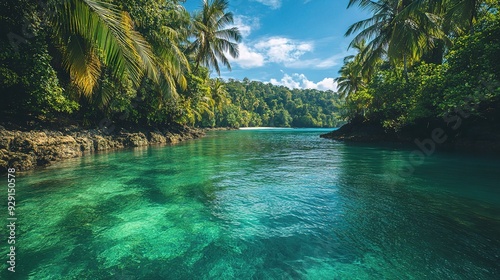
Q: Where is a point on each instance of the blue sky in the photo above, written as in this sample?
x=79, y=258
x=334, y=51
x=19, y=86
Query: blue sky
x=295, y=43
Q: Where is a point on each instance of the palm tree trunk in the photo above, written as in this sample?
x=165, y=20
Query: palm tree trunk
x=405, y=71
x=472, y=17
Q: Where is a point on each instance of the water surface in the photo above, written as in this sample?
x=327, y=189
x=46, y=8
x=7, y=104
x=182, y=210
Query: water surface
x=259, y=204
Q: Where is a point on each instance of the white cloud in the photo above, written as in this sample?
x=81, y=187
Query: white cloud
x=300, y=81
x=283, y=50
x=327, y=84
x=246, y=24
x=317, y=63
x=274, y=4
x=248, y=58
x=286, y=81
x=275, y=49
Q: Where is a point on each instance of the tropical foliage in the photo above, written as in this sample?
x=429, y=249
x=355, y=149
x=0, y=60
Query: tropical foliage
x=94, y=58
x=139, y=62
x=423, y=59
x=251, y=103
x=148, y=62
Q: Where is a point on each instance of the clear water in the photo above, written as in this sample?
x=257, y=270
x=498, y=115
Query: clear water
x=270, y=204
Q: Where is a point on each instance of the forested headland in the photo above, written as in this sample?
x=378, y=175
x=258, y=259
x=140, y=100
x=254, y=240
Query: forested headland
x=423, y=67
x=254, y=103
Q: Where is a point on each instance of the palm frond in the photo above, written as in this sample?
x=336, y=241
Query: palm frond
x=109, y=32
x=211, y=40
x=82, y=64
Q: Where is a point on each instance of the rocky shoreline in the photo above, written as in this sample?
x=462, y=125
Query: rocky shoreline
x=26, y=150
x=476, y=136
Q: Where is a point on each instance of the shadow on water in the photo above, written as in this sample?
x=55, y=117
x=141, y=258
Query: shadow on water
x=260, y=205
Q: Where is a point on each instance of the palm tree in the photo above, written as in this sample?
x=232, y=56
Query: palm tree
x=353, y=76
x=212, y=40
x=168, y=42
x=392, y=33
x=459, y=15
x=93, y=33
x=463, y=14
x=350, y=80
x=219, y=94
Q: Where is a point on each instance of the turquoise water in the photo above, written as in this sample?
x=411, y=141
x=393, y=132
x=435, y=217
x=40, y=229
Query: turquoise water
x=268, y=204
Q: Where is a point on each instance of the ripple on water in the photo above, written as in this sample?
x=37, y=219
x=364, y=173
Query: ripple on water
x=260, y=205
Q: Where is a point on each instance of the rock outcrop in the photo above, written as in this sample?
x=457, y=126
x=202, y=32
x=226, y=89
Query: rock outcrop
x=473, y=136
x=25, y=150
